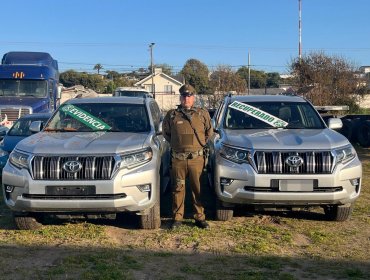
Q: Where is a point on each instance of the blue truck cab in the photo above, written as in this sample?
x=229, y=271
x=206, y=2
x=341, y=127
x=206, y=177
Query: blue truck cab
x=29, y=83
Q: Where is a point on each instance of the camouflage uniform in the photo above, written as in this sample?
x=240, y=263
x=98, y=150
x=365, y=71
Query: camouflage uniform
x=187, y=155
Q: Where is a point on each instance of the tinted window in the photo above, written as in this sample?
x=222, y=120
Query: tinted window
x=297, y=115
x=22, y=127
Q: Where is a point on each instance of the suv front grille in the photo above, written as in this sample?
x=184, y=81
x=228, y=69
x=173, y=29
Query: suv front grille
x=93, y=168
x=314, y=162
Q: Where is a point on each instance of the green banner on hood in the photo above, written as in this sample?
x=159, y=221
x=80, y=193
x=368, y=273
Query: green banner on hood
x=258, y=114
x=84, y=117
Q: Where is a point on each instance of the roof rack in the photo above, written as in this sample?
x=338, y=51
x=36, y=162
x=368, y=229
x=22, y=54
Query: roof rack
x=332, y=108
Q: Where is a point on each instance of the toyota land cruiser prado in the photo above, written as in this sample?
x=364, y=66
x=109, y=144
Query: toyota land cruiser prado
x=96, y=157
x=277, y=152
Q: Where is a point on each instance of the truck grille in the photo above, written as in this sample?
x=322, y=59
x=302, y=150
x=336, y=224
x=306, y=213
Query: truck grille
x=314, y=162
x=14, y=114
x=93, y=168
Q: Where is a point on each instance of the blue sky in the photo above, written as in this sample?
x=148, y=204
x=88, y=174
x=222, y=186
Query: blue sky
x=117, y=33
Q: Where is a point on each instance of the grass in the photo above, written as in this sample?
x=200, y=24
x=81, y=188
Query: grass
x=253, y=245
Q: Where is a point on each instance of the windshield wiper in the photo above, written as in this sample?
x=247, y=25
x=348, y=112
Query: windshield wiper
x=60, y=129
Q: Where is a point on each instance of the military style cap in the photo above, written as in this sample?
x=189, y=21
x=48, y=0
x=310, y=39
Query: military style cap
x=187, y=90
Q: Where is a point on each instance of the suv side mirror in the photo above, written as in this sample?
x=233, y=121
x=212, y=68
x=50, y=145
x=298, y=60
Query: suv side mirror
x=159, y=130
x=36, y=126
x=335, y=123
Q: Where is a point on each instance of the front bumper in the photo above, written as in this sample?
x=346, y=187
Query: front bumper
x=122, y=193
x=242, y=185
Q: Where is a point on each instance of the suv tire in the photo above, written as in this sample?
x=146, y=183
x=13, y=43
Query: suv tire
x=26, y=222
x=153, y=219
x=223, y=213
x=338, y=212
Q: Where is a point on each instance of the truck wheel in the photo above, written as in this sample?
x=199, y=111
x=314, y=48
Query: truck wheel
x=223, y=213
x=26, y=222
x=153, y=219
x=338, y=212
x=363, y=134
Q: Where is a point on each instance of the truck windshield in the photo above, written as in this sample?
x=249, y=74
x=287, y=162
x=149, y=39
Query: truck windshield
x=114, y=117
x=298, y=115
x=25, y=88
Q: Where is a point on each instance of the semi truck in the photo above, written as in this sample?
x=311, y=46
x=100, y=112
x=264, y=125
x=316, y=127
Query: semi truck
x=29, y=83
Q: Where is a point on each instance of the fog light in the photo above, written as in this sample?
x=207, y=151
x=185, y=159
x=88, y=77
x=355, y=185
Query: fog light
x=9, y=189
x=356, y=183
x=226, y=181
x=144, y=188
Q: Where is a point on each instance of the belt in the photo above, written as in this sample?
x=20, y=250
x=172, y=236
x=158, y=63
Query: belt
x=187, y=155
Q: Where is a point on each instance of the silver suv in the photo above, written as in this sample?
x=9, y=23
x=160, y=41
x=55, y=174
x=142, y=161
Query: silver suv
x=96, y=157
x=277, y=152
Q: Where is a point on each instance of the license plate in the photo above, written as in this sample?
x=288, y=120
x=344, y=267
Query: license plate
x=70, y=190
x=296, y=185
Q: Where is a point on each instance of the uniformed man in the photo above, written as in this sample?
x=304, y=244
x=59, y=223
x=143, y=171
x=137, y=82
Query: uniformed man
x=187, y=129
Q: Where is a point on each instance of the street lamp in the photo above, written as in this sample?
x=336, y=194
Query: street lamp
x=151, y=67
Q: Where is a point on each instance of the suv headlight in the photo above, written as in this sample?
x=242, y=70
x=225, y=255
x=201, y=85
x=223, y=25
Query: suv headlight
x=136, y=158
x=19, y=159
x=345, y=154
x=235, y=154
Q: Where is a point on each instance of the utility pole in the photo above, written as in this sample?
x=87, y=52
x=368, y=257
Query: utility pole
x=300, y=30
x=249, y=72
x=152, y=67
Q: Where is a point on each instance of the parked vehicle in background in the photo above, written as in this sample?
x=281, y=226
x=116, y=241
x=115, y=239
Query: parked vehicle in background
x=277, y=152
x=19, y=131
x=3, y=131
x=96, y=157
x=29, y=83
x=131, y=92
x=356, y=127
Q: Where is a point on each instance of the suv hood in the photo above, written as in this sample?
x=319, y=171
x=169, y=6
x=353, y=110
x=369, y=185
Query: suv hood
x=285, y=139
x=73, y=143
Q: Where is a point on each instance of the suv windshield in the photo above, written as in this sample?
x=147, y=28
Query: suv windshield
x=116, y=117
x=297, y=114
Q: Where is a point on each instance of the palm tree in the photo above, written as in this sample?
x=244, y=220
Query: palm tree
x=98, y=67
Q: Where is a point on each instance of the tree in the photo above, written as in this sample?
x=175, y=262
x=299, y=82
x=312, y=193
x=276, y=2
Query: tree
x=326, y=80
x=196, y=74
x=112, y=75
x=224, y=79
x=258, y=78
x=273, y=80
x=98, y=67
x=70, y=78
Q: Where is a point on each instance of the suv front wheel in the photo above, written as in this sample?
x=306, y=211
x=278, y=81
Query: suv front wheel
x=26, y=222
x=153, y=219
x=338, y=212
x=223, y=213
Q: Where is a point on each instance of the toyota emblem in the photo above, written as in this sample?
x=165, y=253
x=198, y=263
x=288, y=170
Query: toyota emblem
x=294, y=161
x=72, y=166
